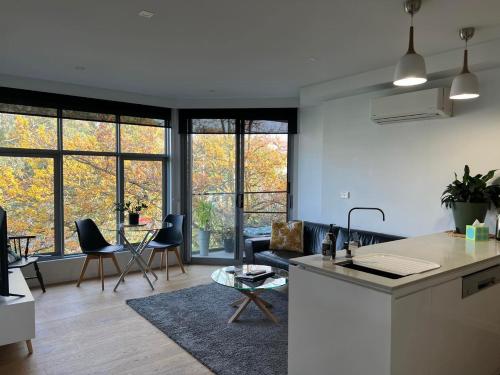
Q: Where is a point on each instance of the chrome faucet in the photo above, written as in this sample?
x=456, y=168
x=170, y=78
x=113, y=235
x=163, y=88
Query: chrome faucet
x=346, y=246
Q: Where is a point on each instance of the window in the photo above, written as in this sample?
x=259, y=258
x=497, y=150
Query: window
x=30, y=132
x=238, y=180
x=144, y=181
x=27, y=194
x=89, y=192
x=60, y=164
x=84, y=135
x=142, y=139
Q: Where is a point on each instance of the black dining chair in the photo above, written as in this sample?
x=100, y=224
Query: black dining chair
x=95, y=246
x=24, y=259
x=168, y=239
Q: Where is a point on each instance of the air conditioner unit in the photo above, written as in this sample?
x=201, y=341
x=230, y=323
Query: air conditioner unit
x=412, y=106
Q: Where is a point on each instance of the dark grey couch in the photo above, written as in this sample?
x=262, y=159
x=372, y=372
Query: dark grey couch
x=257, y=249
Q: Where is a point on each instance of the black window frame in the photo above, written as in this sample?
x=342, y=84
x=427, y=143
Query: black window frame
x=54, y=105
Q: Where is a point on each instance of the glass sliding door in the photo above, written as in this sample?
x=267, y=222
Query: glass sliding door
x=213, y=190
x=238, y=183
x=265, y=182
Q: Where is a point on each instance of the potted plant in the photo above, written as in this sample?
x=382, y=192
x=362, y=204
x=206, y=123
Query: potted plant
x=470, y=198
x=203, y=216
x=132, y=209
x=228, y=239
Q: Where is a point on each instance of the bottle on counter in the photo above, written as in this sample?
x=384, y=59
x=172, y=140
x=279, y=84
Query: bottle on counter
x=326, y=246
x=497, y=230
x=333, y=242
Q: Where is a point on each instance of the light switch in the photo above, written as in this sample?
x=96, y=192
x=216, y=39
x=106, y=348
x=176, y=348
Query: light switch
x=345, y=195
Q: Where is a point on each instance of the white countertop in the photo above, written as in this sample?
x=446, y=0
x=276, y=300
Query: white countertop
x=456, y=256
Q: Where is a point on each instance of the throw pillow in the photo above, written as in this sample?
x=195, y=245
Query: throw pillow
x=287, y=236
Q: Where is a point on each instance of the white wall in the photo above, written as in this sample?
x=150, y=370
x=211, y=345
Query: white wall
x=401, y=168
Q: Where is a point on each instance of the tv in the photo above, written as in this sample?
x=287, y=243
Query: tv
x=4, y=255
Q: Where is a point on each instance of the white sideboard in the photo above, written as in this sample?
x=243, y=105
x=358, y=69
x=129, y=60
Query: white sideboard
x=17, y=314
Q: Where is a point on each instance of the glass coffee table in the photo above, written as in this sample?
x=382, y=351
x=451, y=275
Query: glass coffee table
x=250, y=290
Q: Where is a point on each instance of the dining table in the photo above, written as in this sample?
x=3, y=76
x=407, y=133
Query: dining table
x=148, y=232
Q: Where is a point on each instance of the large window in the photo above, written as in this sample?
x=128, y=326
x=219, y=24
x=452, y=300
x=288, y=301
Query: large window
x=59, y=165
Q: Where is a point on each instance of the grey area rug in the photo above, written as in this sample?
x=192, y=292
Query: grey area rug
x=196, y=319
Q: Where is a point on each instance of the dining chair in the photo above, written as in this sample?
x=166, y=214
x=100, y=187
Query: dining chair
x=24, y=259
x=168, y=240
x=95, y=246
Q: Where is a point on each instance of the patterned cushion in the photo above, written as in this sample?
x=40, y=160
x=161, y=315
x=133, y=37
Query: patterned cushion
x=287, y=236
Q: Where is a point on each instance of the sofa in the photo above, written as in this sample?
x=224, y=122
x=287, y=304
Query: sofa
x=257, y=249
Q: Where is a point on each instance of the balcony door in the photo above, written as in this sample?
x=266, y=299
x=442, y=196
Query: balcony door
x=238, y=183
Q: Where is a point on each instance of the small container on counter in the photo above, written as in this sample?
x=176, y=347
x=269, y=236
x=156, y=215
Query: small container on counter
x=326, y=247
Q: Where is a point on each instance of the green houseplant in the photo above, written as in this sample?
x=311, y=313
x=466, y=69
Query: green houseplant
x=470, y=198
x=203, y=217
x=132, y=209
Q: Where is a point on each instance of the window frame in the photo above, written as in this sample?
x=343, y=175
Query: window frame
x=58, y=155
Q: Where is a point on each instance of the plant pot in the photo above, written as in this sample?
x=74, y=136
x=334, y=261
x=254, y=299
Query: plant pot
x=204, y=241
x=228, y=245
x=465, y=213
x=133, y=218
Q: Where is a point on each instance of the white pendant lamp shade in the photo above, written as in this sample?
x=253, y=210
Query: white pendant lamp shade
x=410, y=70
x=465, y=85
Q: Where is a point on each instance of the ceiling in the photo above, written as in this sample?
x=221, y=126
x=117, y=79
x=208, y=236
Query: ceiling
x=223, y=48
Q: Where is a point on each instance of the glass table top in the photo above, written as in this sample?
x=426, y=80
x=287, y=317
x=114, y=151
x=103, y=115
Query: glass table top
x=226, y=276
x=140, y=227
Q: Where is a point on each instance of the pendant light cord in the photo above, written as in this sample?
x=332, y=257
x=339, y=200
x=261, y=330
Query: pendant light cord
x=465, y=68
x=411, y=48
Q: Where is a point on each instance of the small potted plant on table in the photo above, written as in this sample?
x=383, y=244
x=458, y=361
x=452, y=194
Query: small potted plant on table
x=470, y=198
x=133, y=210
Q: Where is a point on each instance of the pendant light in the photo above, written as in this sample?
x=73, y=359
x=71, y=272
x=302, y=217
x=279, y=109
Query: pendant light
x=466, y=84
x=410, y=70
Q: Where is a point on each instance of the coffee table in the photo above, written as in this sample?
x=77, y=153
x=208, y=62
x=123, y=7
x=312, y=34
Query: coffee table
x=250, y=290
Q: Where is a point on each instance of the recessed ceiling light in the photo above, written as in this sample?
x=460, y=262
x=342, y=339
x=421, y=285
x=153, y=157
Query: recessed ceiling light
x=312, y=59
x=146, y=14
x=80, y=67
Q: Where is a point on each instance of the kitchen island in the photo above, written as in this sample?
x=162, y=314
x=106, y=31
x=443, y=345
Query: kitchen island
x=444, y=321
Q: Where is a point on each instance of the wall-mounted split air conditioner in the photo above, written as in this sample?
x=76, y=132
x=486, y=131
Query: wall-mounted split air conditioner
x=412, y=106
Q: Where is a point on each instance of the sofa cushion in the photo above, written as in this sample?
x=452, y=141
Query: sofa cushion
x=287, y=236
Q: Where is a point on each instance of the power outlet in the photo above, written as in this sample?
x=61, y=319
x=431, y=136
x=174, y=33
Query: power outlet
x=345, y=195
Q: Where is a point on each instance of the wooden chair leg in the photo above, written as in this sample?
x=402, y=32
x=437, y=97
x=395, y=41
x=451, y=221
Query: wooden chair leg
x=113, y=257
x=179, y=260
x=166, y=262
x=162, y=259
x=84, y=268
x=30, y=346
x=101, y=271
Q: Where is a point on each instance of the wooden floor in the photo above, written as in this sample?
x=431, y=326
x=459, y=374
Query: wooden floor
x=86, y=331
